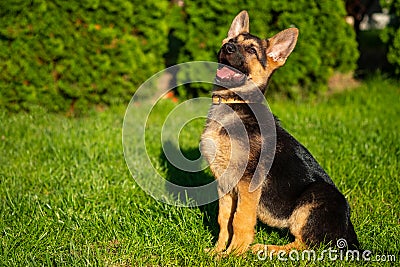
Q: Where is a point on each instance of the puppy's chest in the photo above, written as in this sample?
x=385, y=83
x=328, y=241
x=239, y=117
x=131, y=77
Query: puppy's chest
x=228, y=140
x=216, y=143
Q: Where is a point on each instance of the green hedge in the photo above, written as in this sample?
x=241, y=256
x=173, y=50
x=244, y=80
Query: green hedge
x=391, y=35
x=69, y=55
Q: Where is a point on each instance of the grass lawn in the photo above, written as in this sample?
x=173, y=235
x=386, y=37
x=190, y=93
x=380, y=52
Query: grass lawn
x=67, y=196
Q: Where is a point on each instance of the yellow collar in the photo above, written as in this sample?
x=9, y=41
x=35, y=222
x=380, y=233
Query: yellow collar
x=216, y=100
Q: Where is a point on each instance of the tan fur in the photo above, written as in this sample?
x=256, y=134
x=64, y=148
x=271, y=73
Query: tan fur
x=266, y=217
x=227, y=206
x=240, y=39
x=245, y=219
x=295, y=223
x=258, y=72
x=225, y=154
x=299, y=218
x=297, y=245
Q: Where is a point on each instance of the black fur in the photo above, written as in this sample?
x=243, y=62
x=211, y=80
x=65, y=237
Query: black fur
x=296, y=179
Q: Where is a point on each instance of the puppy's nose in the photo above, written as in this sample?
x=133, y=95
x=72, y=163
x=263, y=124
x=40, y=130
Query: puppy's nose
x=230, y=48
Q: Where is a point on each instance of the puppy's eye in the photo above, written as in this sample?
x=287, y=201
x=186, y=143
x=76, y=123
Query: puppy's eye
x=252, y=50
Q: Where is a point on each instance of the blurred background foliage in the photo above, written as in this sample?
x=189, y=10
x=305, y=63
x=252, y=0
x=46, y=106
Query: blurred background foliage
x=391, y=34
x=71, y=55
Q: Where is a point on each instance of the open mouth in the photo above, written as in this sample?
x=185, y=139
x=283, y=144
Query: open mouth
x=228, y=76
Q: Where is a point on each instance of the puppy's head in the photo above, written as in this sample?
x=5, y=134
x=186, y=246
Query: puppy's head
x=246, y=58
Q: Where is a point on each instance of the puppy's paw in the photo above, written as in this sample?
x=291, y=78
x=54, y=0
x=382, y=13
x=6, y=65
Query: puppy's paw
x=215, y=251
x=236, y=248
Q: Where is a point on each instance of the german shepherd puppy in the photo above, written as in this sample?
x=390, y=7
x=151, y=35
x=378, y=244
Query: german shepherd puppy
x=295, y=193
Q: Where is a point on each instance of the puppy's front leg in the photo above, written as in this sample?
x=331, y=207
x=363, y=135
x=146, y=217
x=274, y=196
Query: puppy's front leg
x=227, y=206
x=245, y=218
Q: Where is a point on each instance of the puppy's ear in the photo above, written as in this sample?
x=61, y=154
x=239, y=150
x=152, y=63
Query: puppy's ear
x=281, y=45
x=239, y=25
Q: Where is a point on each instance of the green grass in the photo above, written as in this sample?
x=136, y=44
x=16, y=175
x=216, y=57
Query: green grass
x=67, y=197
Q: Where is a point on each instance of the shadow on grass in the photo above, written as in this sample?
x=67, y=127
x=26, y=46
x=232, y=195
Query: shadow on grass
x=190, y=179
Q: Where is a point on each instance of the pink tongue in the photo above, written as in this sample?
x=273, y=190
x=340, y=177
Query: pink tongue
x=225, y=73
